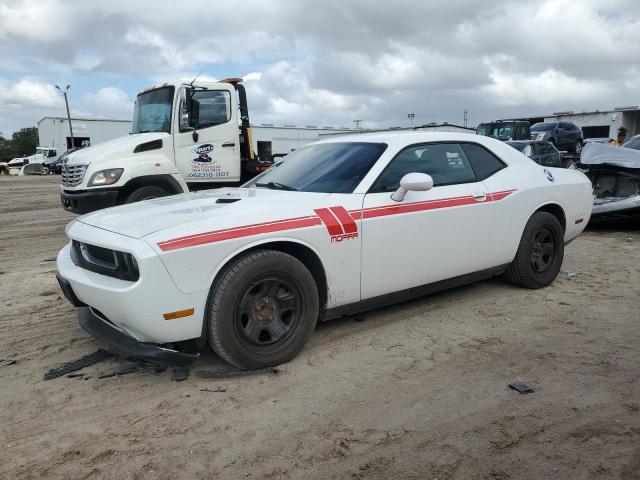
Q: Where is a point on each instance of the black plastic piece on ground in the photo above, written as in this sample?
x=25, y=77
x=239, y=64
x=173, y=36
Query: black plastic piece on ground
x=129, y=347
x=79, y=364
x=234, y=373
x=68, y=291
x=132, y=368
x=7, y=361
x=180, y=374
x=521, y=387
x=214, y=390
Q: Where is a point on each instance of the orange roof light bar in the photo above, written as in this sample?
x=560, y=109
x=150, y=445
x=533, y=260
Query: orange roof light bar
x=232, y=80
x=179, y=314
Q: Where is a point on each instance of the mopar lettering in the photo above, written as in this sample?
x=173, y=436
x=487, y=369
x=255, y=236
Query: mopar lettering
x=346, y=236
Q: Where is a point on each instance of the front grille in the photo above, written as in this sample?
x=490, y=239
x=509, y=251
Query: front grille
x=72, y=175
x=105, y=261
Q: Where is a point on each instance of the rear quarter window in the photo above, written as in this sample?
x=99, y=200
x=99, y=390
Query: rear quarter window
x=483, y=162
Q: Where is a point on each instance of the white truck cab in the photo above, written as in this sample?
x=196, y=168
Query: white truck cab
x=183, y=136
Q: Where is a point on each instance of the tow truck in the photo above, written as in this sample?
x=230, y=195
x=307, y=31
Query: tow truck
x=185, y=136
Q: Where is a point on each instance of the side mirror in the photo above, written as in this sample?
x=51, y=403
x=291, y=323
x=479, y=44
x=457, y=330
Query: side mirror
x=417, y=182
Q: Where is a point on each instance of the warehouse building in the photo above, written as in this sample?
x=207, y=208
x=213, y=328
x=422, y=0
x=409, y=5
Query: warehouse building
x=54, y=131
x=597, y=124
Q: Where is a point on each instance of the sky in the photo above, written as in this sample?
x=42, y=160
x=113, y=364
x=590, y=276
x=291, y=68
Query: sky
x=324, y=63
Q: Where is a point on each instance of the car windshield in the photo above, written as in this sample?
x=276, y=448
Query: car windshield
x=501, y=131
x=152, y=111
x=633, y=143
x=542, y=127
x=518, y=145
x=324, y=167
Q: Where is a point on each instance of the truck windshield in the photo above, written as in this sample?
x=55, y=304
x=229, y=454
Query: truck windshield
x=42, y=151
x=501, y=131
x=324, y=167
x=152, y=111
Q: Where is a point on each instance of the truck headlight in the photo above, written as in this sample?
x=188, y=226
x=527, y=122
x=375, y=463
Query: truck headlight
x=105, y=177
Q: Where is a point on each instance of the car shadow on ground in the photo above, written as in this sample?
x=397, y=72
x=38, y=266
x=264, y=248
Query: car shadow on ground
x=621, y=224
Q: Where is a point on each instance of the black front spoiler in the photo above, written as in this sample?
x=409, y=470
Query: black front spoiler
x=128, y=347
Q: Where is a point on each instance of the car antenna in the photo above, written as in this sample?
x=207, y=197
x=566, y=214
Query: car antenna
x=195, y=78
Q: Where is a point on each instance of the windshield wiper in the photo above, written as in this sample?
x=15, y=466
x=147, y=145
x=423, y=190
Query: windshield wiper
x=277, y=186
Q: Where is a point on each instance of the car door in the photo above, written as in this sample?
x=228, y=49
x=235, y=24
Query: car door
x=431, y=235
x=212, y=154
x=563, y=137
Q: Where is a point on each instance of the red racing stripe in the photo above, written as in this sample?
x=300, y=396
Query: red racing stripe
x=231, y=233
x=337, y=221
x=332, y=224
x=347, y=220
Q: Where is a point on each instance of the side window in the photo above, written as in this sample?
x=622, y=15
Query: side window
x=445, y=162
x=484, y=162
x=214, y=107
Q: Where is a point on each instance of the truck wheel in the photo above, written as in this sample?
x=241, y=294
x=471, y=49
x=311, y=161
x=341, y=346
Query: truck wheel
x=145, y=193
x=540, y=253
x=262, y=309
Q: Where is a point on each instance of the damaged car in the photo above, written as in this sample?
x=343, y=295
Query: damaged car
x=615, y=175
x=340, y=226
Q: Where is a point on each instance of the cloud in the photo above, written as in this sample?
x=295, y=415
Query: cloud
x=332, y=62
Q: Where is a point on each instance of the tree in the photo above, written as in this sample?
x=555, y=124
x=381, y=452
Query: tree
x=24, y=141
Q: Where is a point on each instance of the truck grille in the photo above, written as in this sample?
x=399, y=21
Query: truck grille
x=72, y=175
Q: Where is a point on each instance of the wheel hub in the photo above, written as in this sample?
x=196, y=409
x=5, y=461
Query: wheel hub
x=264, y=308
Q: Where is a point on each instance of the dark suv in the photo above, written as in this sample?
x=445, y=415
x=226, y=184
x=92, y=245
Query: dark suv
x=505, y=130
x=565, y=136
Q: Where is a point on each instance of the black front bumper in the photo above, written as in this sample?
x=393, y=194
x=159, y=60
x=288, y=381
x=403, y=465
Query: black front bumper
x=88, y=201
x=128, y=347
x=121, y=343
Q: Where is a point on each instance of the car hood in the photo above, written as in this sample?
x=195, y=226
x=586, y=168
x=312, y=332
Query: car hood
x=601, y=154
x=137, y=220
x=116, y=148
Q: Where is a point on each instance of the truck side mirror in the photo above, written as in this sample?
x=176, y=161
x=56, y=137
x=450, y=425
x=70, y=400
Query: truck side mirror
x=194, y=113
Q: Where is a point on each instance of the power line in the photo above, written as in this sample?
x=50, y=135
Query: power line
x=28, y=101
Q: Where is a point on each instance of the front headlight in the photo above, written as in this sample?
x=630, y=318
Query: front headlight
x=105, y=177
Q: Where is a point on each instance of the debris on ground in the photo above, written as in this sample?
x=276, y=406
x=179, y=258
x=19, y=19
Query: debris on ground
x=521, y=387
x=180, y=374
x=213, y=390
x=359, y=319
x=133, y=368
x=570, y=273
x=5, y=362
x=233, y=373
x=79, y=364
x=50, y=259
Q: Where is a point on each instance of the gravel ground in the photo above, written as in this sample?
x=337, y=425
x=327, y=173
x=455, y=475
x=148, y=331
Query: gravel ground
x=418, y=390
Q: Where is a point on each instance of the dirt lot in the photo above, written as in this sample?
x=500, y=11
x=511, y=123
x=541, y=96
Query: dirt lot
x=417, y=390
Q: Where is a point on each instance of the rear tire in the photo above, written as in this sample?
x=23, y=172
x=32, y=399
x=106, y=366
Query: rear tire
x=145, y=193
x=540, y=253
x=262, y=309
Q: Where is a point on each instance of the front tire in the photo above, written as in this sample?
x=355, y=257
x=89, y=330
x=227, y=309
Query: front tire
x=262, y=309
x=540, y=253
x=145, y=193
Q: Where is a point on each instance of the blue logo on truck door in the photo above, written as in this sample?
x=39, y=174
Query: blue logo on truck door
x=203, y=152
x=205, y=165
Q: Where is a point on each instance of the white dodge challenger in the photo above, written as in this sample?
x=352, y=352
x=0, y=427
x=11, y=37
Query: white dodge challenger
x=343, y=225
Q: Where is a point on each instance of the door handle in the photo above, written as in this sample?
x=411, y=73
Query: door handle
x=479, y=196
x=229, y=144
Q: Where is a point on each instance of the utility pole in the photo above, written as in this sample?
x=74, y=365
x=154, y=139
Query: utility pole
x=66, y=102
x=411, y=117
x=466, y=118
x=357, y=123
